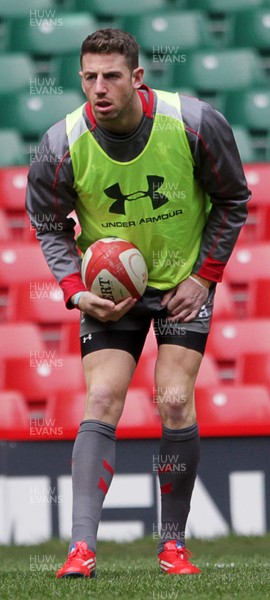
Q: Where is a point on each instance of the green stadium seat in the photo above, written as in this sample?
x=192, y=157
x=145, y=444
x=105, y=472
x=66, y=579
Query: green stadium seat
x=66, y=71
x=249, y=108
x=16, y=71
x=119, y=8
x=157, y=76
x=64, y=33
x=17, y=8
x=35, y=114
x=221, y=70
x=12, y=148
x=244, y=144
x=252, y=28
x=168, y=35
x=225, y=6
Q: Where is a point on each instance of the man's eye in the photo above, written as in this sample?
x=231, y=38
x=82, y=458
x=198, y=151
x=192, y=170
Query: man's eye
x=90, y=77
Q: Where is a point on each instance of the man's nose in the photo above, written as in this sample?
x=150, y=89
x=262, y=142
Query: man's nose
x=100, y=86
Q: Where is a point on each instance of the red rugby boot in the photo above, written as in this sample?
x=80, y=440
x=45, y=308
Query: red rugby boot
x=174, y=560
x=81, y=562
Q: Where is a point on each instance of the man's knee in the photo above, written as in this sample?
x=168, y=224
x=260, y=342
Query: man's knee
x=176, y=404
x=102, y=403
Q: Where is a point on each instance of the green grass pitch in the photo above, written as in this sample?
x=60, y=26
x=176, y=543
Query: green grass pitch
x=233, y=567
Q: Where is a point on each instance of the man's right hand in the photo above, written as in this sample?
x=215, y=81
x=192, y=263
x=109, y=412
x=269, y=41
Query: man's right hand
x=104, y=310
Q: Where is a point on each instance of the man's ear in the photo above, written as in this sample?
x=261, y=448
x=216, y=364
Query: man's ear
x=80, y=73
x=137, y=76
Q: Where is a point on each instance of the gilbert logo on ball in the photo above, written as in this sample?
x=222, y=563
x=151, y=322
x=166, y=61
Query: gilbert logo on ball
x=114, y=269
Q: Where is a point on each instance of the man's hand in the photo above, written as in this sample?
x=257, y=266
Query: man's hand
x=104, y=310
x=184, y=301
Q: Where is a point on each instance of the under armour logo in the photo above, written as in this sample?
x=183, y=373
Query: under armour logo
x=154, y=183
x=87, y=337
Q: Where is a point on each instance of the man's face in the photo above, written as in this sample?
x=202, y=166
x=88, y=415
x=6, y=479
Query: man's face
x=110, y=87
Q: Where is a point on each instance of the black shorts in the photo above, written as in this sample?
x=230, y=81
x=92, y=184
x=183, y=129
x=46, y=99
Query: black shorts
x=129, y=333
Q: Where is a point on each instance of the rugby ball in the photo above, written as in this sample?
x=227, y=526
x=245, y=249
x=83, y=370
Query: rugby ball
x=114, y=269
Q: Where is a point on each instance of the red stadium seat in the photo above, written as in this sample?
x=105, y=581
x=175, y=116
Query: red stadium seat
x=223, y=303
x=42, y=302
x=4, y=227
x=19, y=340
x=140, y=417
x=258, y=180
x=254, y=368
x=233, y=410
x=257, y=225
x=247, y=263
x=229, y=340
x=70, y=338
x=258, y=304
x=14, y=415
x=65, y=410
x=208, y=372
x=44, y=373
x=21, y=262
x=13, y=182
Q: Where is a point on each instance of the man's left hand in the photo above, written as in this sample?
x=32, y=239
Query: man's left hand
x=185, y=301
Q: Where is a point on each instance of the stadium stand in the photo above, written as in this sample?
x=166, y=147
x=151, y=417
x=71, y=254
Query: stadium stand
x=252, y=24
x=229, y=340
x=221, y=70
x=105, y=8
x=61, y=33
x=258, y=303
x=233, y=410
x=35, y=113
x=14, y=153
x=254, y=368
x=43, y=373
x=17, y=8
x=14, y=410
x=226, y=44
x=16, y=71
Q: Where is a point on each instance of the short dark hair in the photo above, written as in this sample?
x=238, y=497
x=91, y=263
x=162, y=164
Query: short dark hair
x=112, y=40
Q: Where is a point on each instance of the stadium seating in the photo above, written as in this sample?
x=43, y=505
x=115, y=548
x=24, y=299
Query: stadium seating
x=225, y=6
x=19, y=340
x=244, y=144
x=14, y=415
x=13, y=182
x=208, y=373
x=17, y=8
x=226, y=44
x=4, y=229
x=254, y=368
x=221, y=70
x=258, y=304
x=34, y=114
x=166, y=36
x=233, y=410
x=258, y=179
x=44, y=372
x=223, y=303
x=248, y=263
x=41, y=302
x=14, y=153
x=252, y=25
x=105, y=8
x=21, y=262
x=231, y=339
x=16, y=71
x=63, y=32
x=69, y=339
x=249, y=108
